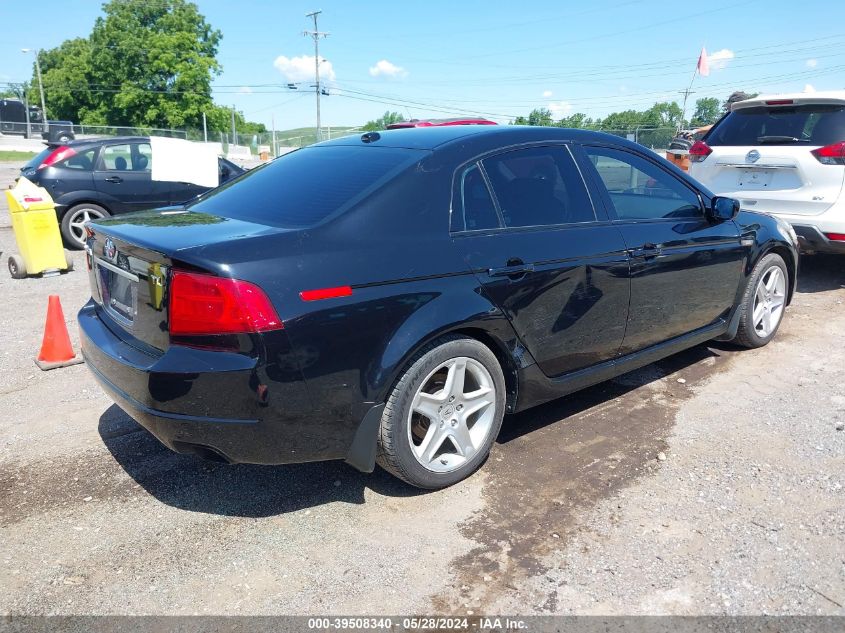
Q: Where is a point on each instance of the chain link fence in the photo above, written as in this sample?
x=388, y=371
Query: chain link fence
x=267, y=144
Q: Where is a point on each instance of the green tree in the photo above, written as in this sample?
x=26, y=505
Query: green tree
x=707, y=111
x=663, y=114
x=15, y=91
x=623, y=121
x=145, y=64
x=577, y=120
x=66, y=71
x=537, y=116
x=382, y=122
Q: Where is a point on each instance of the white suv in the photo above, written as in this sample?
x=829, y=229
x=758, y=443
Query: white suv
x=785, y=155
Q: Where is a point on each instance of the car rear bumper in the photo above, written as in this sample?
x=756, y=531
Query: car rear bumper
x=812, y=240
x=218, y=405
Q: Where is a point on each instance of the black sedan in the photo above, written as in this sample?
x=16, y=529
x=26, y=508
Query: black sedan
x=95, y=178
x=387, y=298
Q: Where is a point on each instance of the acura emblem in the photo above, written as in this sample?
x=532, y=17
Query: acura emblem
x=752, y=157
x=109, y=249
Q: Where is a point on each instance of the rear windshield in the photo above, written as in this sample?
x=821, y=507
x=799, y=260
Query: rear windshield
x=36, y=160
x=307, y=186
x=802, y=124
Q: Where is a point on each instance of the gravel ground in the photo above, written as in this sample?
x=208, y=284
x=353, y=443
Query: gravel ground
x=575, y=512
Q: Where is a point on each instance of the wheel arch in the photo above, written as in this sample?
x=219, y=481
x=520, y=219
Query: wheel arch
x=82, y=197
x=791, y=266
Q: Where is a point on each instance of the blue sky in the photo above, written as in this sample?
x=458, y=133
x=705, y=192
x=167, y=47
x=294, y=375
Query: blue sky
x=496, y=59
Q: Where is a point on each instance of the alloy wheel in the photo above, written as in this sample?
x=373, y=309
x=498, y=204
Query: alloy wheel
x=77, y=222
x=452, y=414
x=769, y=301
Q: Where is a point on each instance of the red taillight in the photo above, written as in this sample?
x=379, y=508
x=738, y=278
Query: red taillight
x=777, y=102
x=203, y=305
x=699, y=151
x=835, y=237
x=62, y=153
x=325, y=293
x=831, y=154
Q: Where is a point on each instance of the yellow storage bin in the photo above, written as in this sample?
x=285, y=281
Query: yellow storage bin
x=36, y=232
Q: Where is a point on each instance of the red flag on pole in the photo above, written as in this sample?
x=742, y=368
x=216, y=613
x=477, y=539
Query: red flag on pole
x=703, y=66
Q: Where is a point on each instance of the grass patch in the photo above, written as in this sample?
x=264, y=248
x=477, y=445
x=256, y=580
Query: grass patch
x=10, y=155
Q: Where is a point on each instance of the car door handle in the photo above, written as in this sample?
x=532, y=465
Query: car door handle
x=116, y=179
x=646, y=251
x=515, y=270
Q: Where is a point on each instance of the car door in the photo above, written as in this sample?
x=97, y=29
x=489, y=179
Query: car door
x=527, y=227
x=685, y=269
x=123, y=174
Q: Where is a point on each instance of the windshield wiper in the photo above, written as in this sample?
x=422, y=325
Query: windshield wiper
x=764, y=140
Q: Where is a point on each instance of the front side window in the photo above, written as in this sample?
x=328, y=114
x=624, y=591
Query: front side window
x=639, y=189
x=142, y=159
x=539, y=186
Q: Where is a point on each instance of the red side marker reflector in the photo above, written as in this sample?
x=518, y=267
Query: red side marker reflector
x=836, y=237
x=325, y=293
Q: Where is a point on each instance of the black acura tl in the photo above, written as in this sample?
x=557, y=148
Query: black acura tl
x=387, y=298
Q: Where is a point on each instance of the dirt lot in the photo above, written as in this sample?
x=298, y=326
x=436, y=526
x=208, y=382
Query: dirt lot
x=709, y=483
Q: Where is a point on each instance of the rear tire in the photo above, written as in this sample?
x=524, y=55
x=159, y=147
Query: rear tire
x=17, y=267
x=72, y=222
x=443, y=414
x=763, y=303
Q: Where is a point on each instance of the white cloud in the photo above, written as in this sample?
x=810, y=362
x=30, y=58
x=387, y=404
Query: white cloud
x=547, y=94
x=245, y=90
x=302, y=68
x=384, y=68
x=720, y=59
x=809, y=88
x=812, y=63
x=560, y=109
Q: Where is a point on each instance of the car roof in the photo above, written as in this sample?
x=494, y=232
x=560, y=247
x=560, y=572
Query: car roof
x=828, y=97
x=430, y=138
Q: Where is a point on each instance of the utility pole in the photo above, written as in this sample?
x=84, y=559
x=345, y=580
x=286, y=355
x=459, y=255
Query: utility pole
x=44, y=126
x=273, y=124
x=316, y=34
x=686, y=94
x=204, y=129
x=234, y=132
x=26, y=107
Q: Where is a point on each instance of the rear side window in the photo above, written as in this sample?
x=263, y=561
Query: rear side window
x=539, y=186
x=781, y=125
x=307, y=186
x=473, y=208
x=83, y=161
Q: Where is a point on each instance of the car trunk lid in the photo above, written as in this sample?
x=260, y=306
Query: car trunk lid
x=130, y=261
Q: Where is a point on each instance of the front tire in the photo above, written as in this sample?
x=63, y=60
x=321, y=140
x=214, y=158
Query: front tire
x=73, y=223
x=763, y=303
x=443, y=415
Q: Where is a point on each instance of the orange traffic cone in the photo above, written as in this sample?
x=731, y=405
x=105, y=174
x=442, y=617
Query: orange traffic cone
x=56, y=350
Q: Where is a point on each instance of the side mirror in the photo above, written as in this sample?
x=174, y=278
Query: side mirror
x=723, y=209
